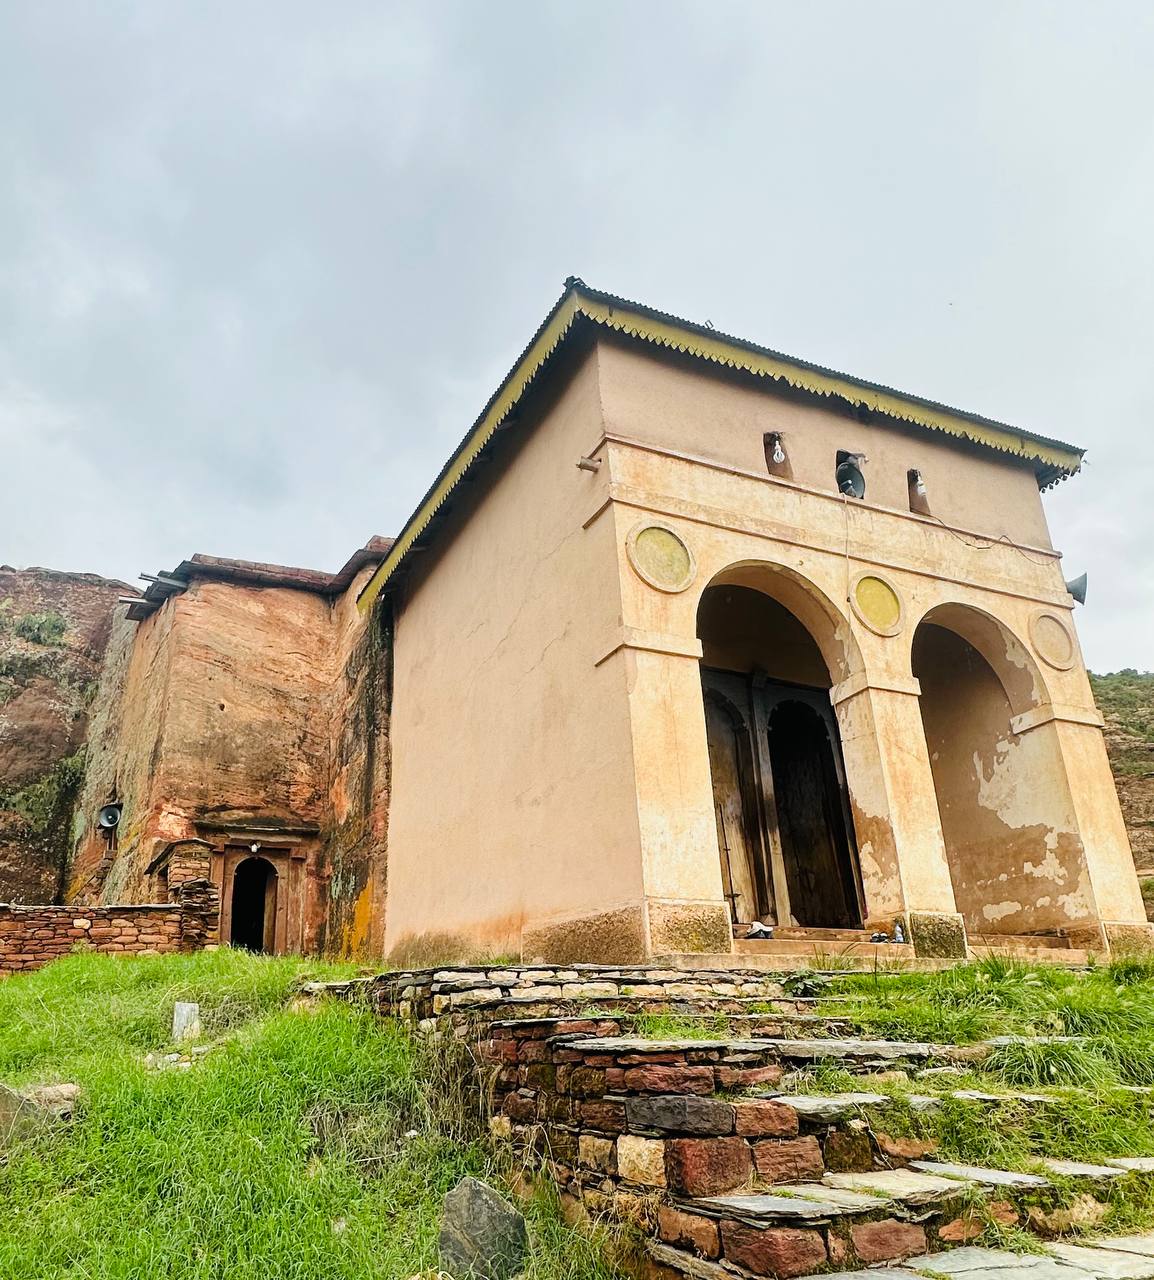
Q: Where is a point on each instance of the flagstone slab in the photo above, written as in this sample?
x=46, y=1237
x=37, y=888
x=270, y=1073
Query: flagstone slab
x=1078, y=1169
x=906, y=1185
x=1109, y=1264
x=985, y=1177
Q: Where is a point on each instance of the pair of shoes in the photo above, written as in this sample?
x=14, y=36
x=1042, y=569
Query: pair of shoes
x=759, y=930
x=879, y=937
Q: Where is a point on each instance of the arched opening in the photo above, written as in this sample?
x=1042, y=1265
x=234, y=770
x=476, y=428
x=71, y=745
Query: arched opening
x=253, y=908
x=784, y=830
x=1015, y=857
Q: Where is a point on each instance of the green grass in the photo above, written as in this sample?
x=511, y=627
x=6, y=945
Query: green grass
x=311, y=1142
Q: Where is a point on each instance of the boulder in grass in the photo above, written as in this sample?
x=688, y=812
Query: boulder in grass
x=482, y=1236
x=20, y=1118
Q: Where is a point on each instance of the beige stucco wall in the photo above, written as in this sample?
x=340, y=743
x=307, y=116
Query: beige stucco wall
x=513, y=804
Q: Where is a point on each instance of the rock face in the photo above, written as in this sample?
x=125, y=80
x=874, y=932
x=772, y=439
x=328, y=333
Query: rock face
x=54, y=631
x=1126, y=700
x=482, y=1236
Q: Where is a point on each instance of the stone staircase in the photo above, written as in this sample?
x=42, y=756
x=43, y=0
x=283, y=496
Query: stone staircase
x=719, y=1143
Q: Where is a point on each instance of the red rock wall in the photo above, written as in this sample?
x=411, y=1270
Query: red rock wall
x=55, y=629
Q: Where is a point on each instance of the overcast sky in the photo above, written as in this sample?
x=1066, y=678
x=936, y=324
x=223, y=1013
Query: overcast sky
x=261, y=263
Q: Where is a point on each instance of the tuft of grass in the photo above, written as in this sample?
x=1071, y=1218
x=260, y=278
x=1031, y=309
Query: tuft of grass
x=313, y=1142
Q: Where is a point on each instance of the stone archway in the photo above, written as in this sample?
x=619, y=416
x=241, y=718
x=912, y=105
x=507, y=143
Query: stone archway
x=771, y=650
x=1015, y=855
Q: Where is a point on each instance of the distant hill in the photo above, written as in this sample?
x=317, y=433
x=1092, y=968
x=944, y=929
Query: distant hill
x=1126, y=700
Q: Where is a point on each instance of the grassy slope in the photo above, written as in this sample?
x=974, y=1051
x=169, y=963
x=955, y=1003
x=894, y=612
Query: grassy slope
x=308, y=1145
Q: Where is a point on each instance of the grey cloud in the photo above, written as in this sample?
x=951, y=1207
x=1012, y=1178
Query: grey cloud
x=261, y=263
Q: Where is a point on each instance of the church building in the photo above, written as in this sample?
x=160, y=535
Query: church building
x=691, y=649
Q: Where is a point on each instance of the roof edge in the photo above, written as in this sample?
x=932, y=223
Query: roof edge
x=1053, y=460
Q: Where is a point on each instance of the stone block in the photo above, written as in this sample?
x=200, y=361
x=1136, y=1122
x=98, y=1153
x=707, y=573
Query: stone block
x=641, y=1160
x=848, y=1151
x=689, y=1231
x=669, y=1079
x=482, y=1235
x=594, y=1152
x=603, y=1114
x=764, y=1118
x=707, y=1166
x=782, y=1252
x=748, y=1077
x=788, y=1160
x=901, y=1149
x=680, y=1113
x=888, y=1240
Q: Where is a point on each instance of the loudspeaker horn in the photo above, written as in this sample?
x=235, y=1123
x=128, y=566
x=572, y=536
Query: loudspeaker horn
x=1077, y=588
x=109, y=817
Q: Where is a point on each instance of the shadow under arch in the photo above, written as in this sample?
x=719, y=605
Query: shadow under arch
x=1015, y=854
x=1009, y=659
x=827, y=625
x=772, y=646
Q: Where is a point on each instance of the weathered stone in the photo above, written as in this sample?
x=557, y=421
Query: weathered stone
x=834, y=1107
x=1083, y=1212
x=788, y=1160
x=679, y=1113
x=903, y=1148
x=597, y=1153
x=764, y=1118
x=58, y=1099
x=847, y=1151
x=773, y=1251
x=660, y=1078
x=185, y=1021
x=19, y=1118
x=888, y=1240
x=641, y=1160
x=707, y=1166
x=482, y=1236
x=689, y=1231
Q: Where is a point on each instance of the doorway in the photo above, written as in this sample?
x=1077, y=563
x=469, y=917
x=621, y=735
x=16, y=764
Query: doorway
x=784, y=827
x=254, y=893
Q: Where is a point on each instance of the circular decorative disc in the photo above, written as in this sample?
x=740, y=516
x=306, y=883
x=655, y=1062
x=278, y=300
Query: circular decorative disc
x=660, y=557
x=877, y=604
x=1052, y=640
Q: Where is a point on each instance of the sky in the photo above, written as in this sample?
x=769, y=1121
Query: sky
x=262, y=262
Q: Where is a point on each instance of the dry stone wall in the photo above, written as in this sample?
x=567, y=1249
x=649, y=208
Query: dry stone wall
x=31, y=937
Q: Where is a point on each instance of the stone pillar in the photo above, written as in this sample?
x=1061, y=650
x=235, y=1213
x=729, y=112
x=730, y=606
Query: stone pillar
x=1106, y=848
x=903, y=856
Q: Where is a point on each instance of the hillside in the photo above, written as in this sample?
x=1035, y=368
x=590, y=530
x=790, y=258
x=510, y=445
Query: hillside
x=1126, y=700
x=305, y=1141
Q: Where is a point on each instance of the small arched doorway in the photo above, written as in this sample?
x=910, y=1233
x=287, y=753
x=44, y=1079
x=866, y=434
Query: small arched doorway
x=784, y=828
x=253, y=915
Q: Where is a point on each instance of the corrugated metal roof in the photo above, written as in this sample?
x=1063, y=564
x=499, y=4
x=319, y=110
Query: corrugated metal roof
x=1053, y=460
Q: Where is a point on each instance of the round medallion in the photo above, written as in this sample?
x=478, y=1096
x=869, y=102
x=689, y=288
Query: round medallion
x=1052, y=640
x=877, y=604
x=660, y=557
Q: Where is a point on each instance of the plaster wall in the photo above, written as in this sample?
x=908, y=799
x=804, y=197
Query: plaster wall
x=1012, y=840
x=723, y=418
x=514, y=814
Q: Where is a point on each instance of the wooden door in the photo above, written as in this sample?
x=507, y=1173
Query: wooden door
x=784, y=828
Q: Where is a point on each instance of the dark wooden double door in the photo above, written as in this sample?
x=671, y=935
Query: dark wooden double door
x=784, y=829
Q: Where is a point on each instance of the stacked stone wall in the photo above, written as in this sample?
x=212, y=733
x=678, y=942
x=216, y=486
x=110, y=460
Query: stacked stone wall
x=31, y=937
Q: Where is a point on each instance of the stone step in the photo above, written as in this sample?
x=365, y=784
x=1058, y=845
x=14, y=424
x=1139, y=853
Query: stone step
x=817, y=948
x=1074, y=957
x=908, y=1216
